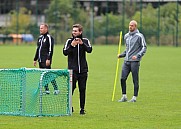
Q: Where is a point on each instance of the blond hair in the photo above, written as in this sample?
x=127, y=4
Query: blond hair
x=134, y=22
x=44, y=24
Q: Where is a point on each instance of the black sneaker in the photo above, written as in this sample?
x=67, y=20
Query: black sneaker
x=82, y=112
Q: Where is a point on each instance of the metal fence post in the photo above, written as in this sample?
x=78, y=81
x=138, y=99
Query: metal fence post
x=17, y=20
x=158, y=29
x=177, y=24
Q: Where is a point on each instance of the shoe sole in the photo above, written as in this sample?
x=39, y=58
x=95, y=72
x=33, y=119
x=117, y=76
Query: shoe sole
x=56, y=93
x=132, y=101
x=125, y=100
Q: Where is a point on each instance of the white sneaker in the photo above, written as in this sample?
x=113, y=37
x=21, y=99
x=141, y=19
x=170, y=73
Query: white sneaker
x=123, y=99
x=132, y=100
x=47, y=92
x=56, y=92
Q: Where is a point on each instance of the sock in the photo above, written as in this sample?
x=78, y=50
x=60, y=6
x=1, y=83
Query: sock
x=134, y=97
x=124, y=95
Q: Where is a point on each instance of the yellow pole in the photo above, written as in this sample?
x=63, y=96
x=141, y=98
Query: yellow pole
x=117, y=67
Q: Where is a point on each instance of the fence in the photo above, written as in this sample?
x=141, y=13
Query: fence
x=102, y=20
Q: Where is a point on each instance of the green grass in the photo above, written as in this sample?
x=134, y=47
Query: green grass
x=158, y=105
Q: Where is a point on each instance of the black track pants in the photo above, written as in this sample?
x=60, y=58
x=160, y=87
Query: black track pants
x=42, y=65
x=82, y=80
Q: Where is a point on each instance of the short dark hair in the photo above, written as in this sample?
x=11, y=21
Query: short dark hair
x=79, y=26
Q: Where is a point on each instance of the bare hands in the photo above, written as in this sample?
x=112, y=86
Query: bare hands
x=134, y=57
x=47, y=62
x=79, y=41
x=34, y=63
x=76, y=41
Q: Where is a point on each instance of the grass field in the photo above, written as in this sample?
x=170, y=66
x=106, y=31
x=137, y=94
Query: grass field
x=158, y=105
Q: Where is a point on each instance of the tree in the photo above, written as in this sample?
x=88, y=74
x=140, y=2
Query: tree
x=61, y=15
x=19, y=21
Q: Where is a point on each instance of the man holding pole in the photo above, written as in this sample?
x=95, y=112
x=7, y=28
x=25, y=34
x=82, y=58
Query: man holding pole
x=135, y=49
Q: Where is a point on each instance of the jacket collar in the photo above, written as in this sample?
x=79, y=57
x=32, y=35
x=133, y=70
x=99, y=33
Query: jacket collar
x=79, y=36
x=135, y=31
x=45, y=34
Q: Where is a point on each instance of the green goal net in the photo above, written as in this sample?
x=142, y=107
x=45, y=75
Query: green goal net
x=22, y=92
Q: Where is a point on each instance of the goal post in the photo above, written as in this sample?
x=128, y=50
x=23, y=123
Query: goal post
x=22, y=92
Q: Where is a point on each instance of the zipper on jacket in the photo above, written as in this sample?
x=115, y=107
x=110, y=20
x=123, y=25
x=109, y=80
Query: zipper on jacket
x=129, y=44
x=78, y=59
x=40, y=48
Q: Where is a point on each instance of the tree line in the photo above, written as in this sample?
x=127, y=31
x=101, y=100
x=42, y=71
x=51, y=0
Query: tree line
x=157, y=24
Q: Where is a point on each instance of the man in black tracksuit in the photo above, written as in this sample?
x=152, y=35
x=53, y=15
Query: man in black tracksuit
x=75, y=48
x=44, y=53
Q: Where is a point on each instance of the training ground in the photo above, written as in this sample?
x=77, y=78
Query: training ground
x=158, y=105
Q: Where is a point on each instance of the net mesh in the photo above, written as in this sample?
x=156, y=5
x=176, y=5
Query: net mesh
x=22, y=92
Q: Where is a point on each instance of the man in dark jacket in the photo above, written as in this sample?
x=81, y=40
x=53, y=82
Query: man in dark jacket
x=44, y=53
x=75, y=48
x=135, y=49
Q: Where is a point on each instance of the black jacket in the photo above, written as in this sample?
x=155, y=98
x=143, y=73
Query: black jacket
x=77, y=55
x=44, y=49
